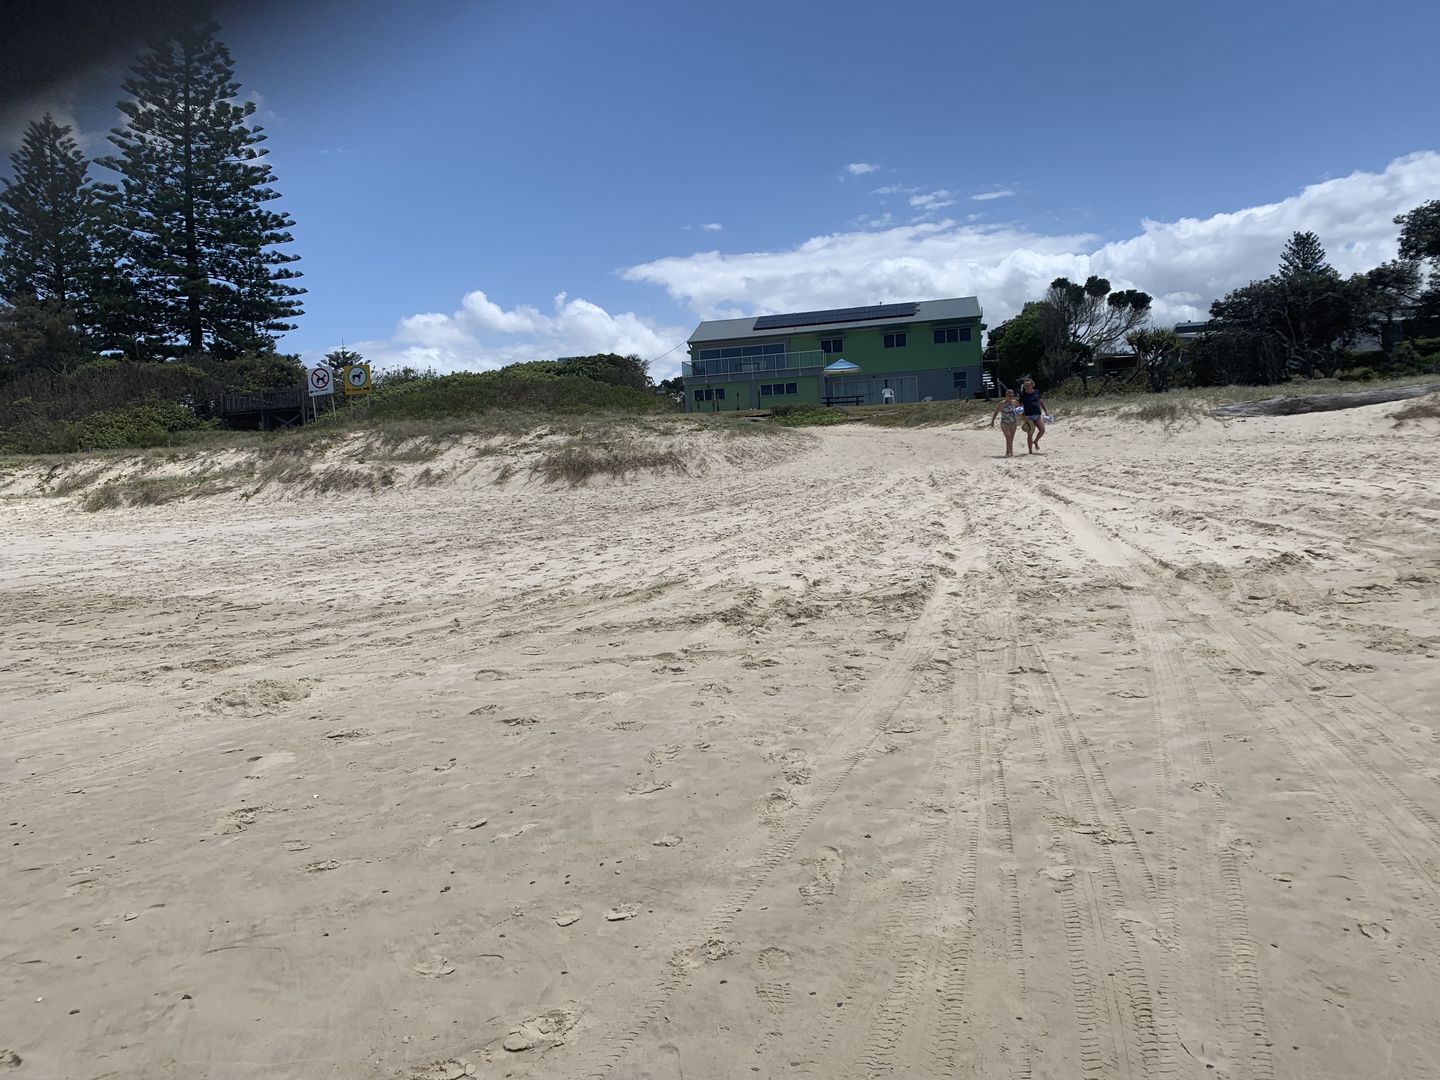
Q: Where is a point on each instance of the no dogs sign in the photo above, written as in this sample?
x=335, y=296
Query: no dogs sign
x=321, y=380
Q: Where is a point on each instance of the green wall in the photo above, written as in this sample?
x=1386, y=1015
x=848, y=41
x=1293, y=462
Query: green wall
x=738, y=394
x=866, y=347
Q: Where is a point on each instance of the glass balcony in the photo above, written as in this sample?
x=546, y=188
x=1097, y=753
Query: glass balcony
x=745, y=366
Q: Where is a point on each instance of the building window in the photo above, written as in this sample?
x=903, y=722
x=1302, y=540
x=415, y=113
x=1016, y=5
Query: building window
x=699, y=395
x=778, y=389
x=894, y=341
x=832, y=345
x=790, y=388
x=716, y=394
x=962, y=380
x=949, y=335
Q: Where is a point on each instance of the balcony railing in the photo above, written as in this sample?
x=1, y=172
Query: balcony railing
x=762, y=366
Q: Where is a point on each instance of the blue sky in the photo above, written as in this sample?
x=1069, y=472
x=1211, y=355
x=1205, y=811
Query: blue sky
x=480, y=182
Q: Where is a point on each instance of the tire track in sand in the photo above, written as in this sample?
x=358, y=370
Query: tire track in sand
x=881, y=701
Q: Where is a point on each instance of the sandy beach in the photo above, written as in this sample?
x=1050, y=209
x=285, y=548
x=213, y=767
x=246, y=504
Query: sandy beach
x=884, y=757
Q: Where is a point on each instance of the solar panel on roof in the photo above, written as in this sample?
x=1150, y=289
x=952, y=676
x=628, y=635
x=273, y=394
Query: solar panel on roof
x=836, y=315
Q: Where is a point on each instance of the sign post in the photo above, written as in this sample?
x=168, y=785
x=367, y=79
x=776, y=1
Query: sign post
x=321, y=381
x=357, y=379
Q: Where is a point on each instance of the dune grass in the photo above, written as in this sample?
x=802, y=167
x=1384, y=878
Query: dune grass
x=157, y=490
x=579, y=462
x=1425, y=408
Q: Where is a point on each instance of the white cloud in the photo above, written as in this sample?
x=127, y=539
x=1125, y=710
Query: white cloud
x=713, y=226
x=1184, y=264
x=875, y=221
x=985, y=196
x=933, y=200
x=481, y=335
x=860, y=168
x=894, y=189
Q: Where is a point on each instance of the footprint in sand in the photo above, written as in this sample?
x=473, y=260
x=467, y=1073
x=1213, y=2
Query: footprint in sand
x=239, y=820
x=662, y=754
x=265, y=695
x=826, y=869
x=775, y=995
x=773, y=958
x=454, y=1069
x=541, y=1032
x=708, y=951
x=775, y=804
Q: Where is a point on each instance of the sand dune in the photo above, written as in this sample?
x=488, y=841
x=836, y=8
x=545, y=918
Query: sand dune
x=884, y=757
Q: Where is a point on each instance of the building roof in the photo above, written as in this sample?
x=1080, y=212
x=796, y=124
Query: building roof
x=959, y=307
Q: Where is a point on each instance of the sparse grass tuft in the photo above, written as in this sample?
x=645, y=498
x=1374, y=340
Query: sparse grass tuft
x=808, y=415
x=577, y=463
x=282, y=471
x=1425, y=408
x=156, y=491
x=75, y=481
x=406, y=455
x=344, y=478
x=1170, y=413
x=104, y=497
x=926, y=413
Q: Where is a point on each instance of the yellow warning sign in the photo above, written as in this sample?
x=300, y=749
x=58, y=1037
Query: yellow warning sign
x=356, y=379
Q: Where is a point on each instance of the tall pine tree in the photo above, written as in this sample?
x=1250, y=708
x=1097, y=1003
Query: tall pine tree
x=201, y=254
x=48, y=215
x=48, y=263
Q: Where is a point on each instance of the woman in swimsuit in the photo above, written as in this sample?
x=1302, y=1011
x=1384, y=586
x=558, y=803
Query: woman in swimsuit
x=1009, y=411
x=1034, y=415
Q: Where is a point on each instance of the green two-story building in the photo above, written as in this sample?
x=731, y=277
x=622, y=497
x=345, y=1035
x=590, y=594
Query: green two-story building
x=928, y=350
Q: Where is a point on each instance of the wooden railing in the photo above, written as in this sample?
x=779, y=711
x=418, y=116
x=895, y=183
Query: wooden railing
x=255, y=401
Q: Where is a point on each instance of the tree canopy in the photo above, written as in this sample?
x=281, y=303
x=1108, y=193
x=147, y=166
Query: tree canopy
x=1420, y=232
x=200, y=257
x=48, y=220
x=1305, y=311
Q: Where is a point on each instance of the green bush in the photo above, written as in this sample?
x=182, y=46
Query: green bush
x=542, y=386
x=147, y=424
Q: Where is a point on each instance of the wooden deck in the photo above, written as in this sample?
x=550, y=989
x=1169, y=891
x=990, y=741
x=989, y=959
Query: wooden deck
x=265, y=409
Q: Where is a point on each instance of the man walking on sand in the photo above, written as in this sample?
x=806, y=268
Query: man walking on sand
x=1034, y=415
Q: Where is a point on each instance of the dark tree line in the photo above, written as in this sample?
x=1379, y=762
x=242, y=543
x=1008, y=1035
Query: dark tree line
x=1305, y=320
x=172, y=251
